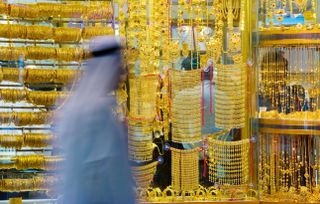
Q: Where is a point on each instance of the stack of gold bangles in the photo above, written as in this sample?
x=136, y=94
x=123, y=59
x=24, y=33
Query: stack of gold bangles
x=11, y=141
x=13, y=95
x=140, y=139
x=37, y=162
x=10, y=74
x=90, y=32
x=26, y=118
x=12, y=53
x=32, y=75
x=230, y=95
x=35, y=140
x=186, y=106
x=66, y=34
x=42, y=53
x=59, y=34
x=46, y=98
x=143, y=95
x=97, y=10
x=29, y=184
x=143, y=175
x=143, y=109
x=32, y=118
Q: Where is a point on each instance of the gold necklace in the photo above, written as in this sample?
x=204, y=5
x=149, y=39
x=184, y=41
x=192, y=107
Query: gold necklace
x=185, y=169
x=228, y=161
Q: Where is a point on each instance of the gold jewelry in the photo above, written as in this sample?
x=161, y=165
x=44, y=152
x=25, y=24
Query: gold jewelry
x=63, y=34
x=186, y=94
x=185, y=169
x=29, y=184
x=26, y=118
x=90, y=32
x=39, y=32
x=228, y=161
x=233, y=115
x=101, y=10
x=13, y=95
x=46, y=98
x=37, y=162
x=40, y=53
x=67, y=76
x=11, y=141
x=4, y=8
x=39, y=75
x=143, y=96
x=143, y=175
x=69, y=54
x=38, y=140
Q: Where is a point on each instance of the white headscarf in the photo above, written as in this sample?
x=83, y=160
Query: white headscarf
x=96, y=169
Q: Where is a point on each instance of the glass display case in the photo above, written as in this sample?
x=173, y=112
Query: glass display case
x=188, y=125
x=286, y=115
x=41, y=54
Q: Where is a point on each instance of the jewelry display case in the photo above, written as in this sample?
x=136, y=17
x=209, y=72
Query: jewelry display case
x=41, y=56
x=188, y=126
x=286, y=115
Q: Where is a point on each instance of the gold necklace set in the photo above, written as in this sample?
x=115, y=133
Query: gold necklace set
x=186, y=106
x=286, y=75
x=228, y=161
x=277, y=9
x=230, y=95
x=185, y=169
x=288, y=168
x=231, y=79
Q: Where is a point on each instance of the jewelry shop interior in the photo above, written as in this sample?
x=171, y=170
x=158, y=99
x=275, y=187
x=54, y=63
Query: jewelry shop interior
x=221, y=100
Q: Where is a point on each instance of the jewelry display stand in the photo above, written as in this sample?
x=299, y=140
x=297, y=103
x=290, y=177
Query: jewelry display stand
x=287, y=102
x=41, y=56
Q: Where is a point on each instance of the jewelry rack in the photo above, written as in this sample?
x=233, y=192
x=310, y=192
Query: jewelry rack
x=286, y=106
x=42, y=151
x=177, y=41
x=55, y=20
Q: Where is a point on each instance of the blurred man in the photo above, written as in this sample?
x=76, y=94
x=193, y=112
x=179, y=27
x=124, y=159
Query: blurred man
x=96, y=170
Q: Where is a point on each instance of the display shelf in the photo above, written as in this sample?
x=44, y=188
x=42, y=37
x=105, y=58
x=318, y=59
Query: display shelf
x=286, y=42
x=289, y=127
x=37, y=85
x=35, y=42
x=289, y=122
x=24, y=128
x=57, y=20
x=287, y=202
x=34, y=201
x=205, y=202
